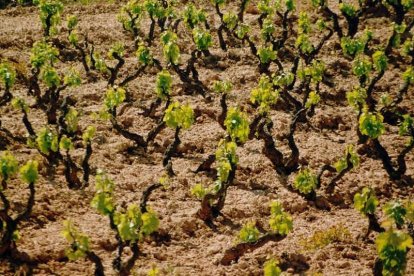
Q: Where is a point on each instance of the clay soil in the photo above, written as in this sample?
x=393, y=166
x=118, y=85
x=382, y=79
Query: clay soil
x=189, y=246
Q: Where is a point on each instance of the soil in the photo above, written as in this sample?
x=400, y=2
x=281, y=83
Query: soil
x=193, y=248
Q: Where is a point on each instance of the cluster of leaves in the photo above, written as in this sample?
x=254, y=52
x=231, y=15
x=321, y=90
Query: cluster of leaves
x=264, y=94
x=179, y=116
x=237, y=125
x=305, y=181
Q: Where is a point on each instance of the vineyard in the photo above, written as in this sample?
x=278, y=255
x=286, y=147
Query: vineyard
x=166, y=137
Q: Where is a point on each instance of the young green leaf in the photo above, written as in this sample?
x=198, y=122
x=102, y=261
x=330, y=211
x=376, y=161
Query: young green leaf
x=371, y=125
x=366, y=202
x=249, y=233
x=29, y=171
x=178, y=115
x=43, y=54
x=163, y=84
x=264, y=95
x=65, y=143
x=271, y=268
x=237, y=125
x=313, y=99
x=395, y=211
x=79, y=242
x=202, y=39
x=305, y=181
x=342, y=163
x=356, y=98
x=114, y=97
x=144, y=55
x=222, y=87
x=392, y=248
x=7, y=75
x=266, y=54
x=88, y=134
x=8, y=165
x=47, y=141
x=380, y=61
x=280, y=222
x=104, y=187
x=72, y=120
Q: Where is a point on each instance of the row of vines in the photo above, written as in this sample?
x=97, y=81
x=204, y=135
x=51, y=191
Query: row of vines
x=285, y=43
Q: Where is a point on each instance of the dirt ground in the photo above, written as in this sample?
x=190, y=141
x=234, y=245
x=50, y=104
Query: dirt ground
x=193, y=248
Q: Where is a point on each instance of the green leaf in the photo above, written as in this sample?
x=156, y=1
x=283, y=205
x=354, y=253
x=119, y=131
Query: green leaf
x=19, y=103
x=266, y=54
x=280, y=222
x=342, y=163
x=304, y=25
x=406, y=126
x=178, y=115
x=88, y=134
x=361, y=66
x=163, y=84
x=268, y=28
x=128, y=224
x=202, y=39
x=50, y=11
x=408, y=75
x=271, y=268
x=366, y=202
x=348, y=10
x=230, y=19
x=249, y=233
x=305, y=181
x=144, y=55
x=79, y=241
x=50, y=77
x=264, y=95
x=47, y=140
x=313, y=99
x=265, y=7
x=65, y=143
x=304, y=44
x=8, y=165
x=72, y=120
x=353, y=46
x=150, y=222
x=43, y=54
x=7, y=75
x=237, y=125
x=290, y=5
x=153, y=271
x=193, y=17
x=380, y=61
x=371, y=124
x=199, y=191
x=356, y=98
x=104, y=187
x=29, y=171
x=242, y=30
x=226, y=158
x=118, y=48
x=283, y=79
x=72, y=78
x=395, y=211
x=72, y=21
x=222, y=87
x=114, y=97
x=392, y=248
